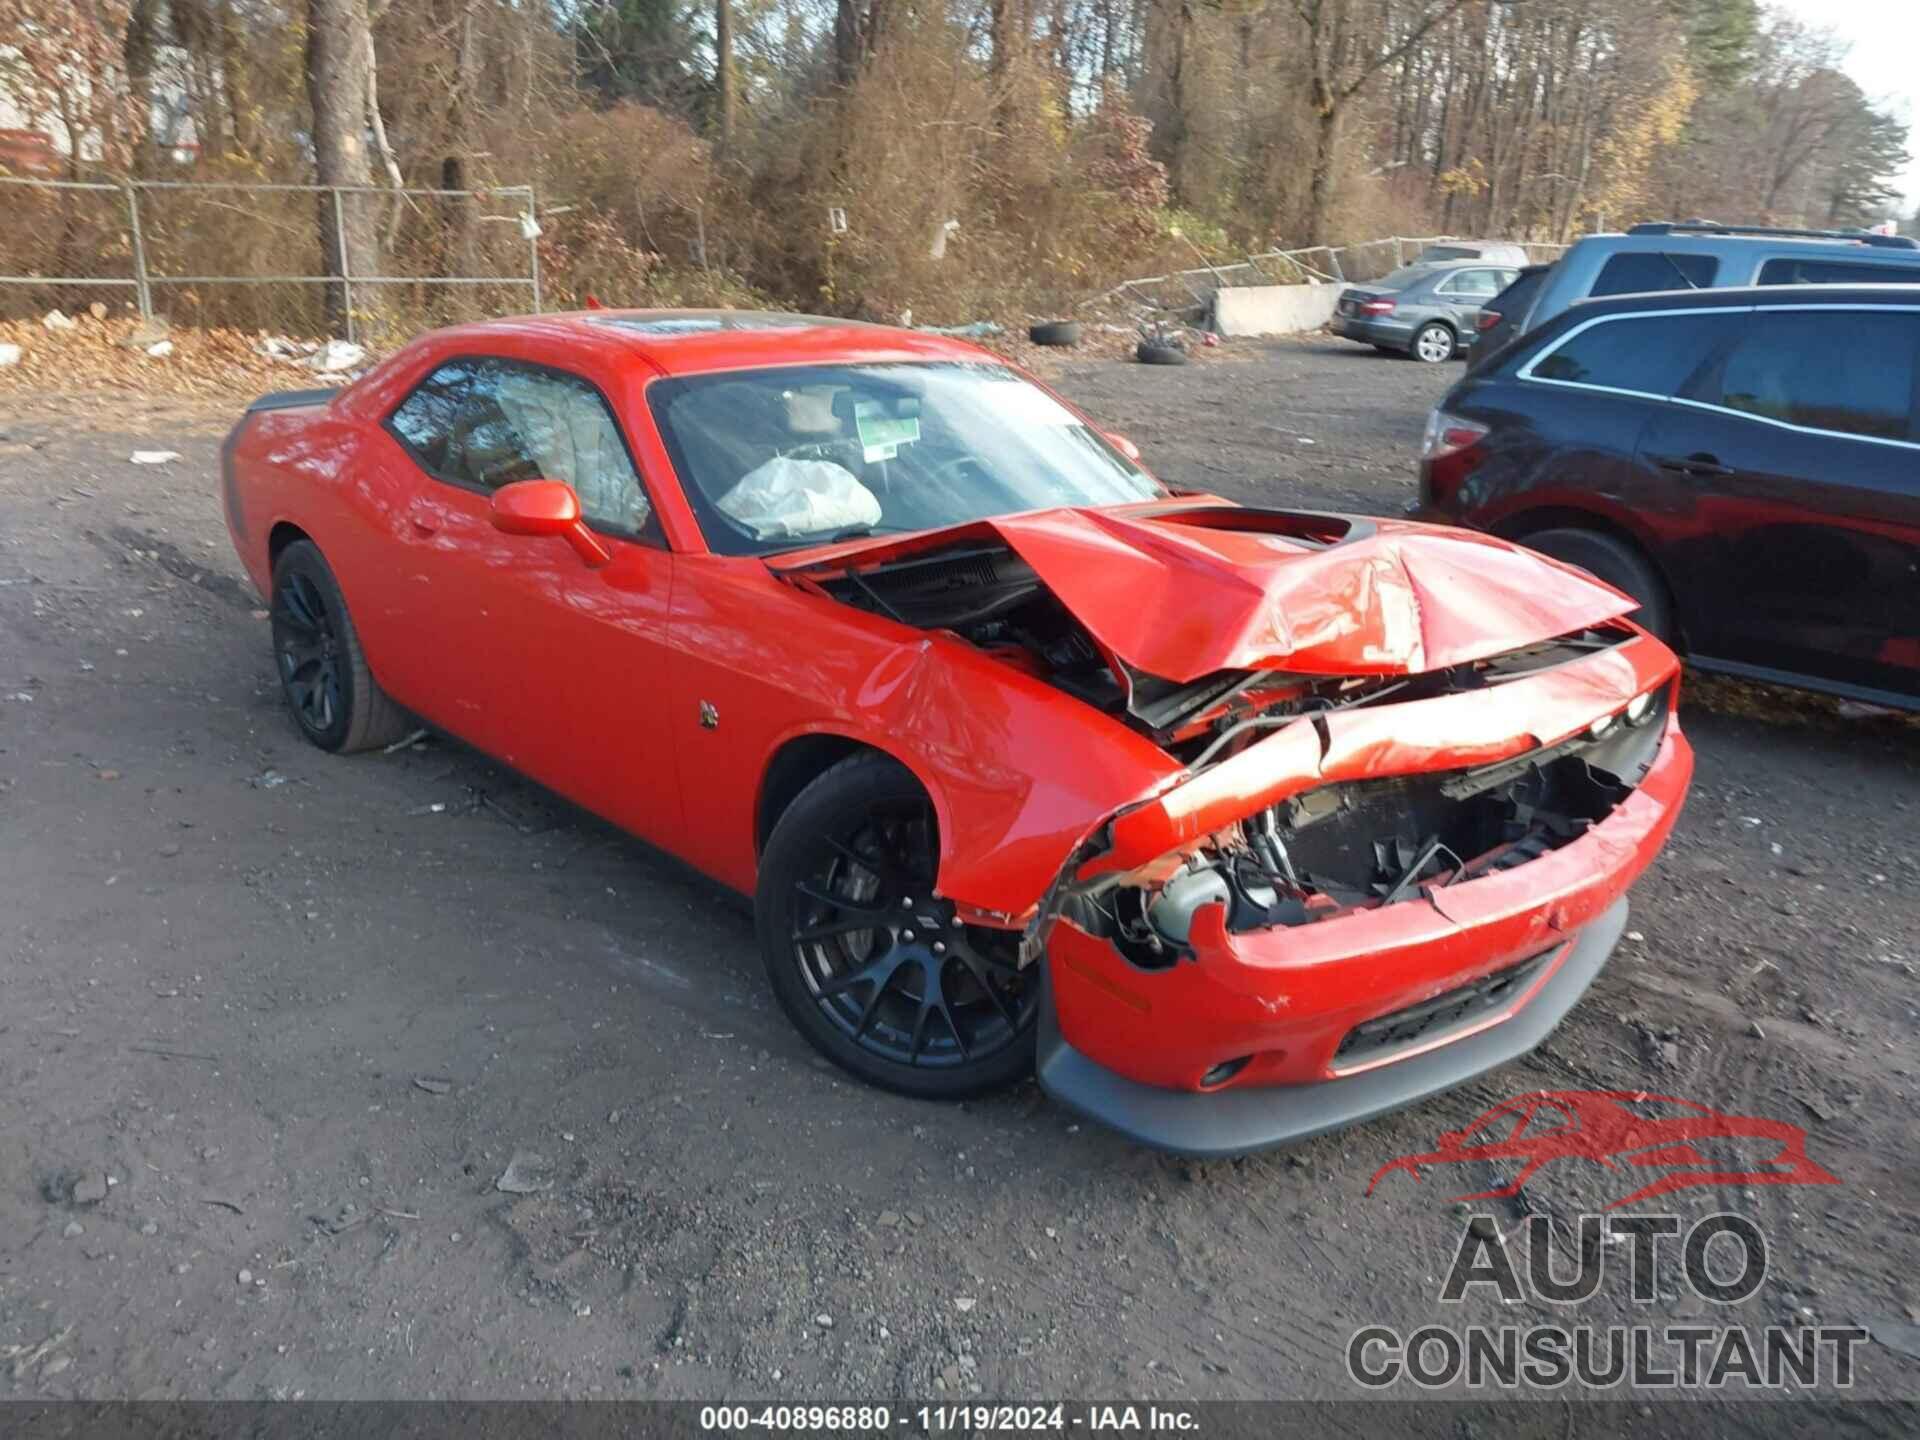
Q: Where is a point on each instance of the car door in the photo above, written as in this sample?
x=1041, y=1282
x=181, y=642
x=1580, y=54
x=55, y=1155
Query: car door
x=557, y=666
x=1464, y=292
x=1800, y=451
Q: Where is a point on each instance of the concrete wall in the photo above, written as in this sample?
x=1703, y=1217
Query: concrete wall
x=1273, y=309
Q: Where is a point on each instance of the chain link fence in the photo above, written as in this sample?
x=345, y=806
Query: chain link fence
x=250, y=255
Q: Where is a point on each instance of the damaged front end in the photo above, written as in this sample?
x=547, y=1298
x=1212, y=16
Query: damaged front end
x=1362, y=908
x=1361, y=844
x=1414, y=775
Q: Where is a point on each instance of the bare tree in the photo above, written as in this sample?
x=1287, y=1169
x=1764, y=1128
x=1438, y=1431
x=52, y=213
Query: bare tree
x=1344, y=53
x=723, y=79
x=339, y=52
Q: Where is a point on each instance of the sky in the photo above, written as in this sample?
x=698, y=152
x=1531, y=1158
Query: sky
x=1884, y=59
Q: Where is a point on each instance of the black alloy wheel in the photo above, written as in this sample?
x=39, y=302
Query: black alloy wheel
x=879, y=972
x=316, y=651
x=306, y=644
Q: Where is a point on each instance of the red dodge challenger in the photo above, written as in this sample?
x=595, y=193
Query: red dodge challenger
x=1237, y=824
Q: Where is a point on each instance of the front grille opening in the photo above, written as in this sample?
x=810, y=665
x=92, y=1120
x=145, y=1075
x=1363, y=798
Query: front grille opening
x=1441, y=1016
x=1380, y=842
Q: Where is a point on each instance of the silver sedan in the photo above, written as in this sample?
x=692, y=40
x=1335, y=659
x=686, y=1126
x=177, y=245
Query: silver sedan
x=1430, y=312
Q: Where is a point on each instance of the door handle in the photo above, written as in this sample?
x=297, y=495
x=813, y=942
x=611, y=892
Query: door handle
x=1699, y=465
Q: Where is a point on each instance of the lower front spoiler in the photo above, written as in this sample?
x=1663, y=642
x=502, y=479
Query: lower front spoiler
x=1215, y=1125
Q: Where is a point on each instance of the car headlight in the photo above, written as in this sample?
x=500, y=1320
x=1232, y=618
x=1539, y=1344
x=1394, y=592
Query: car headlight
x=1639, y=708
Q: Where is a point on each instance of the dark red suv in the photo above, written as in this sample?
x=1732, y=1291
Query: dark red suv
x=1745, y=463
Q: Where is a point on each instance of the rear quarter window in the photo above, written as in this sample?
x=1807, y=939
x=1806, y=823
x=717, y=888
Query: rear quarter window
x=1781, y=271
x=1644, y=354
x=1850, y=372
x=1639, y=272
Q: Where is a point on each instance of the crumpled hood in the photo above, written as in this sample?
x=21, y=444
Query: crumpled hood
x=1183, y=593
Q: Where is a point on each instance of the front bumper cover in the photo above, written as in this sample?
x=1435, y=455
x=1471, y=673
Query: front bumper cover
x=1138, y=1049
x=1211, y=1125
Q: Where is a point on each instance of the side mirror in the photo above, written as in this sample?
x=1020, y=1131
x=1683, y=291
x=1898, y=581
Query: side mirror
x=536, y=507
x=1125, y=446
x=547, y=508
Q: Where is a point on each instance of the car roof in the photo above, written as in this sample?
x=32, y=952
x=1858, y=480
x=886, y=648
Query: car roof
x=1719, y=242
x=1420, y=271
x=688, y=342
x=1747, y=297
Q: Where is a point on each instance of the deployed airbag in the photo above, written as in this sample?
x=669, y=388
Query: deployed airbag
x=800, y=497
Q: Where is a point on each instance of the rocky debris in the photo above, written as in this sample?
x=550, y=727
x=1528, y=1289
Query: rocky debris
x=222, y=365
x=25, y=1357
x=336, y=357
x=281, y=347
x=432, y=1084
x=58, y=320
x=526, y=1174
x=91, y=1189
x=147, y=334
x=10, y=355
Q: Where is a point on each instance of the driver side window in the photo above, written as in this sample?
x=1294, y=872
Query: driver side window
x=484, y=423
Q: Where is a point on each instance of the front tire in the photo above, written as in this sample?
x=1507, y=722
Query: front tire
x=871, y=966
x=1619, y=564
x=1433, y=344
x=334, y=698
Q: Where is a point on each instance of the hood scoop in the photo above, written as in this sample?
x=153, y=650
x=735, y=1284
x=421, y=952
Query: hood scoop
x=1186, y=593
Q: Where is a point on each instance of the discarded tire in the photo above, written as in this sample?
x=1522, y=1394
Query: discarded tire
x=1149, y=354
x=1055, y=332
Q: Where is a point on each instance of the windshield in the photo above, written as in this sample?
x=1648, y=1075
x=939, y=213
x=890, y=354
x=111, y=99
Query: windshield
x=777, y=459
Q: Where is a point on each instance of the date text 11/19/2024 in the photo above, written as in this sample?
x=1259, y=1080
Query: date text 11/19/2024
x=948, y=1419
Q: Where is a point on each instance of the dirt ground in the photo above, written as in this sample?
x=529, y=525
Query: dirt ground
x=299, y=1013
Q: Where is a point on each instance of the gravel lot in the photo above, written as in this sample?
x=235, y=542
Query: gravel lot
x=299, y=1014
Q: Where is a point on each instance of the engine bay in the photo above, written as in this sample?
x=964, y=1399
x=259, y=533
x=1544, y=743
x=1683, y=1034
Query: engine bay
x=1363, y=844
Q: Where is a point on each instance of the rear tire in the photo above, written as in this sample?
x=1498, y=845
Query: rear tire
x=1619, y=563
x=335, y=700
x=870, y=965
x=1433, y=344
